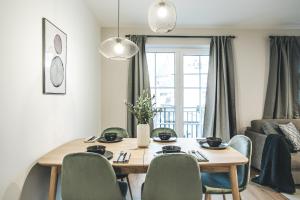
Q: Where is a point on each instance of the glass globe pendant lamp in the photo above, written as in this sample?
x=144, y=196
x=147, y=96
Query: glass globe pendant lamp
x=162, y=16
x=118, y=48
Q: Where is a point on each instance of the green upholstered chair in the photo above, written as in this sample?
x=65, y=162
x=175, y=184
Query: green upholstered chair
x=121, y=132
x=155, y=132
x=173, y=177
x=219, y=183
x=89, y=176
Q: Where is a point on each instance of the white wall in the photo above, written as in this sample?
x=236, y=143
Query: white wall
x=31, y=123
x=251, y=50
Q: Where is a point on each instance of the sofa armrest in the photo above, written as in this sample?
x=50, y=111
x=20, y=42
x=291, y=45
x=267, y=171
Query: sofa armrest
x=258, y=142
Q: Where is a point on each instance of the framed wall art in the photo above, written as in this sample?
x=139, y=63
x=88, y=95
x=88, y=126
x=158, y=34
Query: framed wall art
x=54, y=59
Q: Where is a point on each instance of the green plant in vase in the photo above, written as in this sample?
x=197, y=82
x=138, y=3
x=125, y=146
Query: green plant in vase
x=144, y=111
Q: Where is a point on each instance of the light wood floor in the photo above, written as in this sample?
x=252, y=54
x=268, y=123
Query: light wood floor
x=253, y=191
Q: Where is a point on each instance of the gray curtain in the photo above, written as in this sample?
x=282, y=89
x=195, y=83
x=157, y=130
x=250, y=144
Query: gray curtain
x=138, y=79
x=220, y=112
x=282, y=98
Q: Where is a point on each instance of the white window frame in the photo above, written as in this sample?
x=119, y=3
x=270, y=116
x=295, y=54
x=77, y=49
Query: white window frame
x=179, y=76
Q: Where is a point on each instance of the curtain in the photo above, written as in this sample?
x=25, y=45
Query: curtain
x=138, y=79
x=220, y=112
x=282, y=98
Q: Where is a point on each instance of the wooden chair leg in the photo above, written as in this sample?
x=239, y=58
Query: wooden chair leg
x=224, y=197
x=127, y=178
x=207, y=196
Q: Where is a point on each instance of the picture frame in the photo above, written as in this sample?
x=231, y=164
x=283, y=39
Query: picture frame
x=54, y=58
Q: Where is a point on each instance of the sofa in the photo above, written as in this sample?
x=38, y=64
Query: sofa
x=258, y=137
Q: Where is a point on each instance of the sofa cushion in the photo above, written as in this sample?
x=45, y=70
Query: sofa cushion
x=256, y=125
x=271, y=128
x=291, y=133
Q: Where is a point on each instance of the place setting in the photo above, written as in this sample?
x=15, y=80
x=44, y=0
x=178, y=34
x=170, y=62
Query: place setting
x=164, y=137
x=171, y=149
x=213, y=143
x=110, y=137
x=100, y=149
x=122, y=157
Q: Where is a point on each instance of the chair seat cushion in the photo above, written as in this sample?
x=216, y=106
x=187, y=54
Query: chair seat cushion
x=217, y=183
x=123, y=187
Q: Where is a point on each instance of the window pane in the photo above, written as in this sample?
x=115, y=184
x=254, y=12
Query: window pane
x=203, y=82
x=165, y=69
x=190, y=64
x=164, y=97
x=191, y=97
x=204, y=63
x=151, y=68
x=165, y=101
x=191, y=80
x=192, y=118
x=165, y=118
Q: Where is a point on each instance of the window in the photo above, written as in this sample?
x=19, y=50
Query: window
x=178, y=79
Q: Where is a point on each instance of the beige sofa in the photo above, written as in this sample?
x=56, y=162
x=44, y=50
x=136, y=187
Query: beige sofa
x=258, y=138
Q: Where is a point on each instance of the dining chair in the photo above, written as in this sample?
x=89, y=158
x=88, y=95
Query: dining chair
x=90, y=176
x=155, y=132
x=219, y=183
x=121, y=132
x=173, y=177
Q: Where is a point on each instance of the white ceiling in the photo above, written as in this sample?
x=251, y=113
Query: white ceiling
x=204, y=13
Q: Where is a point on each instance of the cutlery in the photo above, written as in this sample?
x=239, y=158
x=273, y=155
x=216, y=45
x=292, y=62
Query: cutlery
x=121, y=154
x=194, y=152
x=89, y=139
x=127, y=157
x=203, y=156
x=124, y=156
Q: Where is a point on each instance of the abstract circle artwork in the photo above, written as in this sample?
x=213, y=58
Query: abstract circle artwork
x=54, y=59
x=57, y=71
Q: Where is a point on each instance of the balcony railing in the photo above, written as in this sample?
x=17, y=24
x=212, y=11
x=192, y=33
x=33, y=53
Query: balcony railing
x=192, y=120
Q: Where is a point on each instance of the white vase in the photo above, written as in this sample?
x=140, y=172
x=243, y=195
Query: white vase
x=143, y=135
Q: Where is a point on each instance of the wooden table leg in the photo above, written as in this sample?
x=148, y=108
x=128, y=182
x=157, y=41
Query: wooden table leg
x=53, y=183
x=234, y=183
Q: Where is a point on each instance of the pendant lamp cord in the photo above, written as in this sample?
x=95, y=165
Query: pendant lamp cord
x=118, y=18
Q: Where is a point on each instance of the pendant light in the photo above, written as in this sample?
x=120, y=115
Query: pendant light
x=162, y=16
x=118, y=48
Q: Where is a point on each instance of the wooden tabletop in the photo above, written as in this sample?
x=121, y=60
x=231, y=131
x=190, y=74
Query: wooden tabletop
x=141, y=157
x=219, y=160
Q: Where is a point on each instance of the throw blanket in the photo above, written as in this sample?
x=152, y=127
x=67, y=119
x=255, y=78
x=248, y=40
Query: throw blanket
x=276, y=165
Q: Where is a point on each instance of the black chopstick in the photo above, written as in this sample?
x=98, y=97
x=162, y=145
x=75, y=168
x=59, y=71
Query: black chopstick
x=124, y=156
x=120, y=154
x=202, y=155
x=92, y=138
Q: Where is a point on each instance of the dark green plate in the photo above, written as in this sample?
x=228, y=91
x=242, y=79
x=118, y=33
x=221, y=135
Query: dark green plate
x=171, y=139
x=222, y=146
x=103, y=140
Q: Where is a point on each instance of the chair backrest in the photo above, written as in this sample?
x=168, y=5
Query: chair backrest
x=173, y=177
x=121, y=132
x=88, y=176
x=155, y=132
x=243, y=145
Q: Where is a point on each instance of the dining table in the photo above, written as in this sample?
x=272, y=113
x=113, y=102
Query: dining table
x=225, y=160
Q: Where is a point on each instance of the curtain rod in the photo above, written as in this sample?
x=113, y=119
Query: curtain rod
x=181, y=36
x=273, y=36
